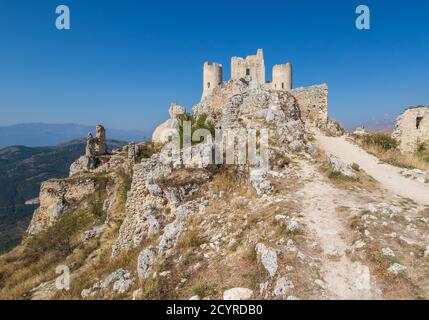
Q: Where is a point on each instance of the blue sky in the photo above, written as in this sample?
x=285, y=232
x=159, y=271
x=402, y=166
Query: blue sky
x=123, y=62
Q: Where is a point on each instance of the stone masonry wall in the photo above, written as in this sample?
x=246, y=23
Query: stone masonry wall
x=412, y=127
x=313, y=103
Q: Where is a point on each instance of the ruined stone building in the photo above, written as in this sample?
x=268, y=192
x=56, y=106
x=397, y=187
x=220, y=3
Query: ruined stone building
x=96, y=146
x=412, y=127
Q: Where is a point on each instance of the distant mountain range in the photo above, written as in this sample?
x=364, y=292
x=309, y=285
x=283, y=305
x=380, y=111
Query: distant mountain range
x=45, y=134
x=384, y=125
x=22, y=169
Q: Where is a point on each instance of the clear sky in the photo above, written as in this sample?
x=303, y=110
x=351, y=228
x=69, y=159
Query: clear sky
x=123, y=62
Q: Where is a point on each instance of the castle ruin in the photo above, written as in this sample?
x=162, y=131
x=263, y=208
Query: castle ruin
x=248, y=76
x=412, y=128
x=96, y=146
x=251, y=68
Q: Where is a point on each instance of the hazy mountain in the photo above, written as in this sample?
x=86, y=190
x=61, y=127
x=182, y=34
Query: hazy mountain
x=22, y=169
x=43, y=134
x=385, y=125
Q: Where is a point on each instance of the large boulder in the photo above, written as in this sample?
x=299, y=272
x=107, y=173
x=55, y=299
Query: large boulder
x=238, y=294
x=268, y=258
x=339, y=166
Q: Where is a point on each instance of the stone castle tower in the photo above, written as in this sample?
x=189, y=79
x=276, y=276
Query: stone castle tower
x=212, y=77
x=251, y=68
x=282, y=77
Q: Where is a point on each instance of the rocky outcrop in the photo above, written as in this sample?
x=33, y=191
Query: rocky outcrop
x=119, y=282
x=155, y=202
x=57, y=197
x=339, y=166
x=145, y=206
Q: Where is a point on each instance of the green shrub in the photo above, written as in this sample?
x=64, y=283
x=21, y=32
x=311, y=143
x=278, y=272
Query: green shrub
x=96, y=209
x=422, y=150
x=199, y=122
x=125, y=187
x=383, y=140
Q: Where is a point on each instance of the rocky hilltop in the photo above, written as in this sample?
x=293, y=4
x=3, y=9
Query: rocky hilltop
x=148, y=221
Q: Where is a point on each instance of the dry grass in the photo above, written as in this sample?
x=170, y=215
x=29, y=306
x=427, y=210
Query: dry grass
x=409, y=284
x=35, y=260
x=394, y=156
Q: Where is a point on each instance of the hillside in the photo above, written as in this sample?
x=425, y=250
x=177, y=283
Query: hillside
x=22, y=169
x=192, y=219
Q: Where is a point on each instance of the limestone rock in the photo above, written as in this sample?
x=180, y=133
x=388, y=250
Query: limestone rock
x=56, y=197
x=388, y=252
x=94, y=232
x=145, y=261
x=83, y=164
x=173, y=230
x=282, y=287
x=119, y=281
x=258, y=179
x=339, y=166
x=123, y=284
x=296, y=145
x=312, y=149
x=238, y=294
x=293, y=226
x=268, y=258
x=396, y=268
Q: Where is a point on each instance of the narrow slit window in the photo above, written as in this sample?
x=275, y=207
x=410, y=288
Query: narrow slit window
x=208, y=85
x=418, y=122
x=247, y=72
x=283, y=85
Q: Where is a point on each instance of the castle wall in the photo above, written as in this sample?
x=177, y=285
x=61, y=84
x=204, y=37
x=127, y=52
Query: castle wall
x=282, y=77
x=313, y=103
x=252, y=66
x=212, y=77
x=412, y=127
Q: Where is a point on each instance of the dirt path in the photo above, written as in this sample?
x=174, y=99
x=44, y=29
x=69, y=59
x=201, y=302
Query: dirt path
x=342, y=278
x=389, y=176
